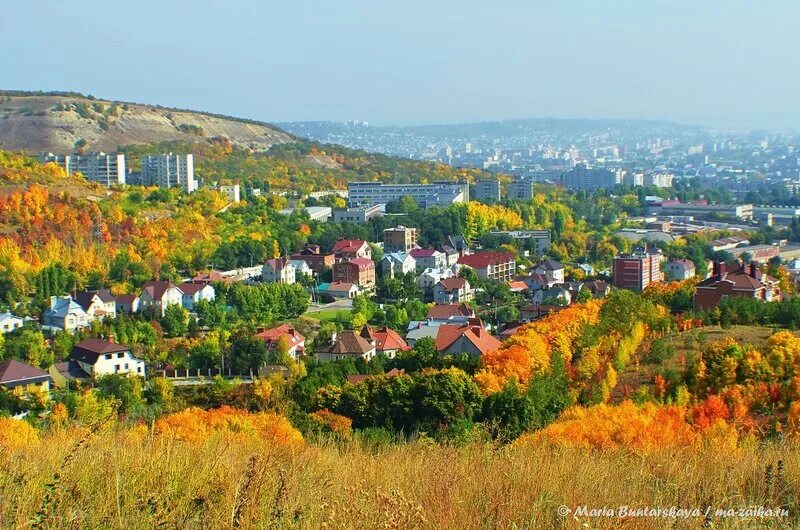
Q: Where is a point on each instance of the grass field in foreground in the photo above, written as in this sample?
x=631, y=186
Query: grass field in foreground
x=121, y=481
x=330, y=315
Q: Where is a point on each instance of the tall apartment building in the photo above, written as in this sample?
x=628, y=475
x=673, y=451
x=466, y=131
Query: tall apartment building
x=427, y=195
x=399, y=239
x=487, y=190
x=637, y=270
x=105, y=169
x=521, y=189
x=659, y=180
x=169, y=171
x=585, y=178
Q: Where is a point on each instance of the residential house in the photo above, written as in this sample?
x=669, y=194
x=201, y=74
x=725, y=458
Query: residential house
x=195, y=292
x=295, y=342
x=428, y=258
x=552, y=269
x=127, y=303
x=451, y=255
x=21, y=379
x=460, y=312
x=738, y=279
x=598, y=288
x=555, y=295
x=314, y=257
x=453, y=291
x=347, y=345
x=360, y=271
x=457, y=242
x=99, y=357
x=9, y=322
x=210, y=277
x=397, y=264
x=469, y=337
x=340, y=289
x=498, y=266
x=301, y=268
x=66, y=372
x=386, y=340
x=537, y=281
x=157, y=295
x=345, y=249
x=399, y=239
x=679, y=269
x=97, y=304
x=517, y=286
x=278, y=270
x=65, y=313
x=431, y=277
x=587, y=269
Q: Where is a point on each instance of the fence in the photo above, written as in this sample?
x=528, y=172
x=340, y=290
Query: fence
x=197, y=373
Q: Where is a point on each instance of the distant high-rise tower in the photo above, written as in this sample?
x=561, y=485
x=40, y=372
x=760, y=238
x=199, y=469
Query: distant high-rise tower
x=169, y=171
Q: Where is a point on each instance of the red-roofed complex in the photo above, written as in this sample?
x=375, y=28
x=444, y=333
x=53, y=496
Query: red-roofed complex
x=736, y=280
x=499, y=266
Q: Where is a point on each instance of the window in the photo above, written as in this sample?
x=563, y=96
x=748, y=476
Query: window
x=139, y=369
x=107, y=356
x=116, y=368
x=126, y=367
x=120, y=355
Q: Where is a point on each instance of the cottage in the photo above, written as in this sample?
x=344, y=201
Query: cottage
x=98, y=304
x=397, y=264
x=65, y=313
x=21, y=379
x=157, y=295
x=451, y=312
x=340, y=289
x=347, y=345
x=386, y=340
x=452, y=291
x=470, y=337
x=301, y=268
x=295, y=342
x=351, y=249
x=278, y=270
x=66, y=372
x=192, y=293
x=127, y=303
x=552, y=269
x=99, y=357
x=9, y=322
x=679, y=269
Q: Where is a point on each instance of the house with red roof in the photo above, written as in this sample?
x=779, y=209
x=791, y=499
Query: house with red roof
x=127, y=303
x=470, y=337
x=358, y=271
x=737, y=279
x=314, y=258
x=22, y=379
x=450, y=312
x=345, y=249
x=428, y=258
x=387, y=341
x=295, y=341
x=453, y=291
x=196, y=292
x=157, y=295
x=492, y=265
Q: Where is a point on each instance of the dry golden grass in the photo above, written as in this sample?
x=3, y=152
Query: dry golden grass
x=132, y=479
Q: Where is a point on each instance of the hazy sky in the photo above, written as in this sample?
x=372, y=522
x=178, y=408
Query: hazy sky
x=729, y=63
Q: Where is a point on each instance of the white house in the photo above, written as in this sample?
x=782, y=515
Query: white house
x=65, y=313
x=98, y=304
x=127, y=303
x=101, y=357
x=301, y=268
x=431, y=277
x=278, y=270
x=552, y=269
x=9, y=322
x=397, y=264
x=157, y=295
x=679, y=269
x=452, y=291
x=195, y=292
x=429, y=258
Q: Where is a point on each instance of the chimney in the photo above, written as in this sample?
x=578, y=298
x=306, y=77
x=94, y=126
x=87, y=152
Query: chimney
x=333, y=337
x=753, y=269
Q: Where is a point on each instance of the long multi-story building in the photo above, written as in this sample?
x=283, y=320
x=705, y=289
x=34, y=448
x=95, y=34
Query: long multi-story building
x=487, y=190
x=105, y=169
x=169, y=171
x=521, y=188
x=585, y=178
x=637, y=270
x=427, y=195
x=399, y=239
x=743, y=212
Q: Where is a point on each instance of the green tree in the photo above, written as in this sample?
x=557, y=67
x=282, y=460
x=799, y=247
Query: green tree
x=175, y=321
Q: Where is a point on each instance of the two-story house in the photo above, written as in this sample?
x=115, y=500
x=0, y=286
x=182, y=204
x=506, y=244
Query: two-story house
x=452, y=291
x=65, y=313
x=98, y=304
x=278, y=270
x=192, y=293
x=345, y=249
x=99, y=357
x=314, y=257
x=428, y=258
x=157, y=295
x=397, y=264
x=294, y=340
x=552, y=269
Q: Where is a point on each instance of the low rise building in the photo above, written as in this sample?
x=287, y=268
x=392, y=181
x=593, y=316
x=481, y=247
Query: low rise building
x=497, y=266
x=66, y=314
x=22, y=379
x=679, y=269
x=399, y=239
x=294, y=341
x=278, y=270
x=738, y=279
x=9, y=322
x=358, y=214
x=453, y=291
x=397, y=264
x=99, y=357
x=428, y=258
x=358, y=271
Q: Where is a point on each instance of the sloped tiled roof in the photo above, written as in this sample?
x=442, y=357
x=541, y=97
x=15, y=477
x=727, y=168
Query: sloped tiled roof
x=84, y=298
x=191, y=288
x=363, y=264
x=348, y=246
x=451, y=284
x=156, y=289
x=484, y=259
x=423, y=253
x=482, y=339
x=445, y=311
x=739, y=276
x=14, y=373
x=272, y=335
x=388, y=339
x=550, y=265
x=90, y=349
x=349, y=342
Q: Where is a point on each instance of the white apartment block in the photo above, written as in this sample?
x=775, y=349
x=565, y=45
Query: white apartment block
x=427, y=195
x=169, y=171
x=105, y=169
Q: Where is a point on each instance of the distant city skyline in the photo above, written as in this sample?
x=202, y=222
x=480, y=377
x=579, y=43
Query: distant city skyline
x=723, y=64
